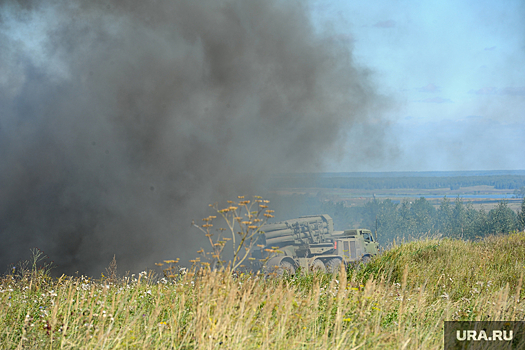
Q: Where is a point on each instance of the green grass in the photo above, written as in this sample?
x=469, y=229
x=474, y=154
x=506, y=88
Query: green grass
x=399, y=300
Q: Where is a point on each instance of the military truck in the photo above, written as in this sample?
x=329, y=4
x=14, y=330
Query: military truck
x=311, y=243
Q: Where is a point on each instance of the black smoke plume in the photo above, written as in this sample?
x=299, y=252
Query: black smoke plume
x=121, y=120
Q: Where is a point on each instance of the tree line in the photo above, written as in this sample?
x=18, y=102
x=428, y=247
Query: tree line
x=455, y=219
x=409, y=219
x=371, y=183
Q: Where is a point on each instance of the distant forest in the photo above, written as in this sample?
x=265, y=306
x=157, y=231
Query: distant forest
x=508, y=182
x=409, y=219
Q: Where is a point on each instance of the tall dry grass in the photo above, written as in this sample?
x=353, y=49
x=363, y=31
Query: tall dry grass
x=398, y=301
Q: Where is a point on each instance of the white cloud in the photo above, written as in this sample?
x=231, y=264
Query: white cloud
x=429, y=88
x=385, y=24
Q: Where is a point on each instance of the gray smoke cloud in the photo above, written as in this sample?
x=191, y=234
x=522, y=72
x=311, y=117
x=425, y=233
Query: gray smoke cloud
x=121, y=120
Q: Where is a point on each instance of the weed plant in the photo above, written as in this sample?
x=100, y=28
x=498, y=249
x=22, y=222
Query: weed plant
x=398, y=301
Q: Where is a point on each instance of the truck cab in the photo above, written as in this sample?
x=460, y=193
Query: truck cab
x=355, y=244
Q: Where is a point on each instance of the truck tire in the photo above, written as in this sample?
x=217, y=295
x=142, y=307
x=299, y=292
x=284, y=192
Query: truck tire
x=332, y=265
x=318, y=266
x=286, y=267
x=365, y=259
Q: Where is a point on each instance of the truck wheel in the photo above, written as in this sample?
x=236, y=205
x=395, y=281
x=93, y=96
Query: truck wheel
x=318, y=266
x=365, y=259
x=332, y=265
x=286, y=267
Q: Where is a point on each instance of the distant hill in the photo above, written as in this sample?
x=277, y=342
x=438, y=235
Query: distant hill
x=499, y=179
x=410, y=173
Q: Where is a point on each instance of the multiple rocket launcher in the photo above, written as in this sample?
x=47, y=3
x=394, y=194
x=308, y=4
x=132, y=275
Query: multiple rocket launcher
x=311, y=243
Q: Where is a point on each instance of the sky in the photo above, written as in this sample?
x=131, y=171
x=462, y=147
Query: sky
x=455, y=71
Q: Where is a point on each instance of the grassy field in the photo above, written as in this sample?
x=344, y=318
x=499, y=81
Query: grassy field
x=398, y=301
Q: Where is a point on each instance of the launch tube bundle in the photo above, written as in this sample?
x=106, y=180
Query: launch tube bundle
x=311, y=229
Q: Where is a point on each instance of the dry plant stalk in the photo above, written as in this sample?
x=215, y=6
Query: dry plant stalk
x=244, y=220
x=111, y=271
